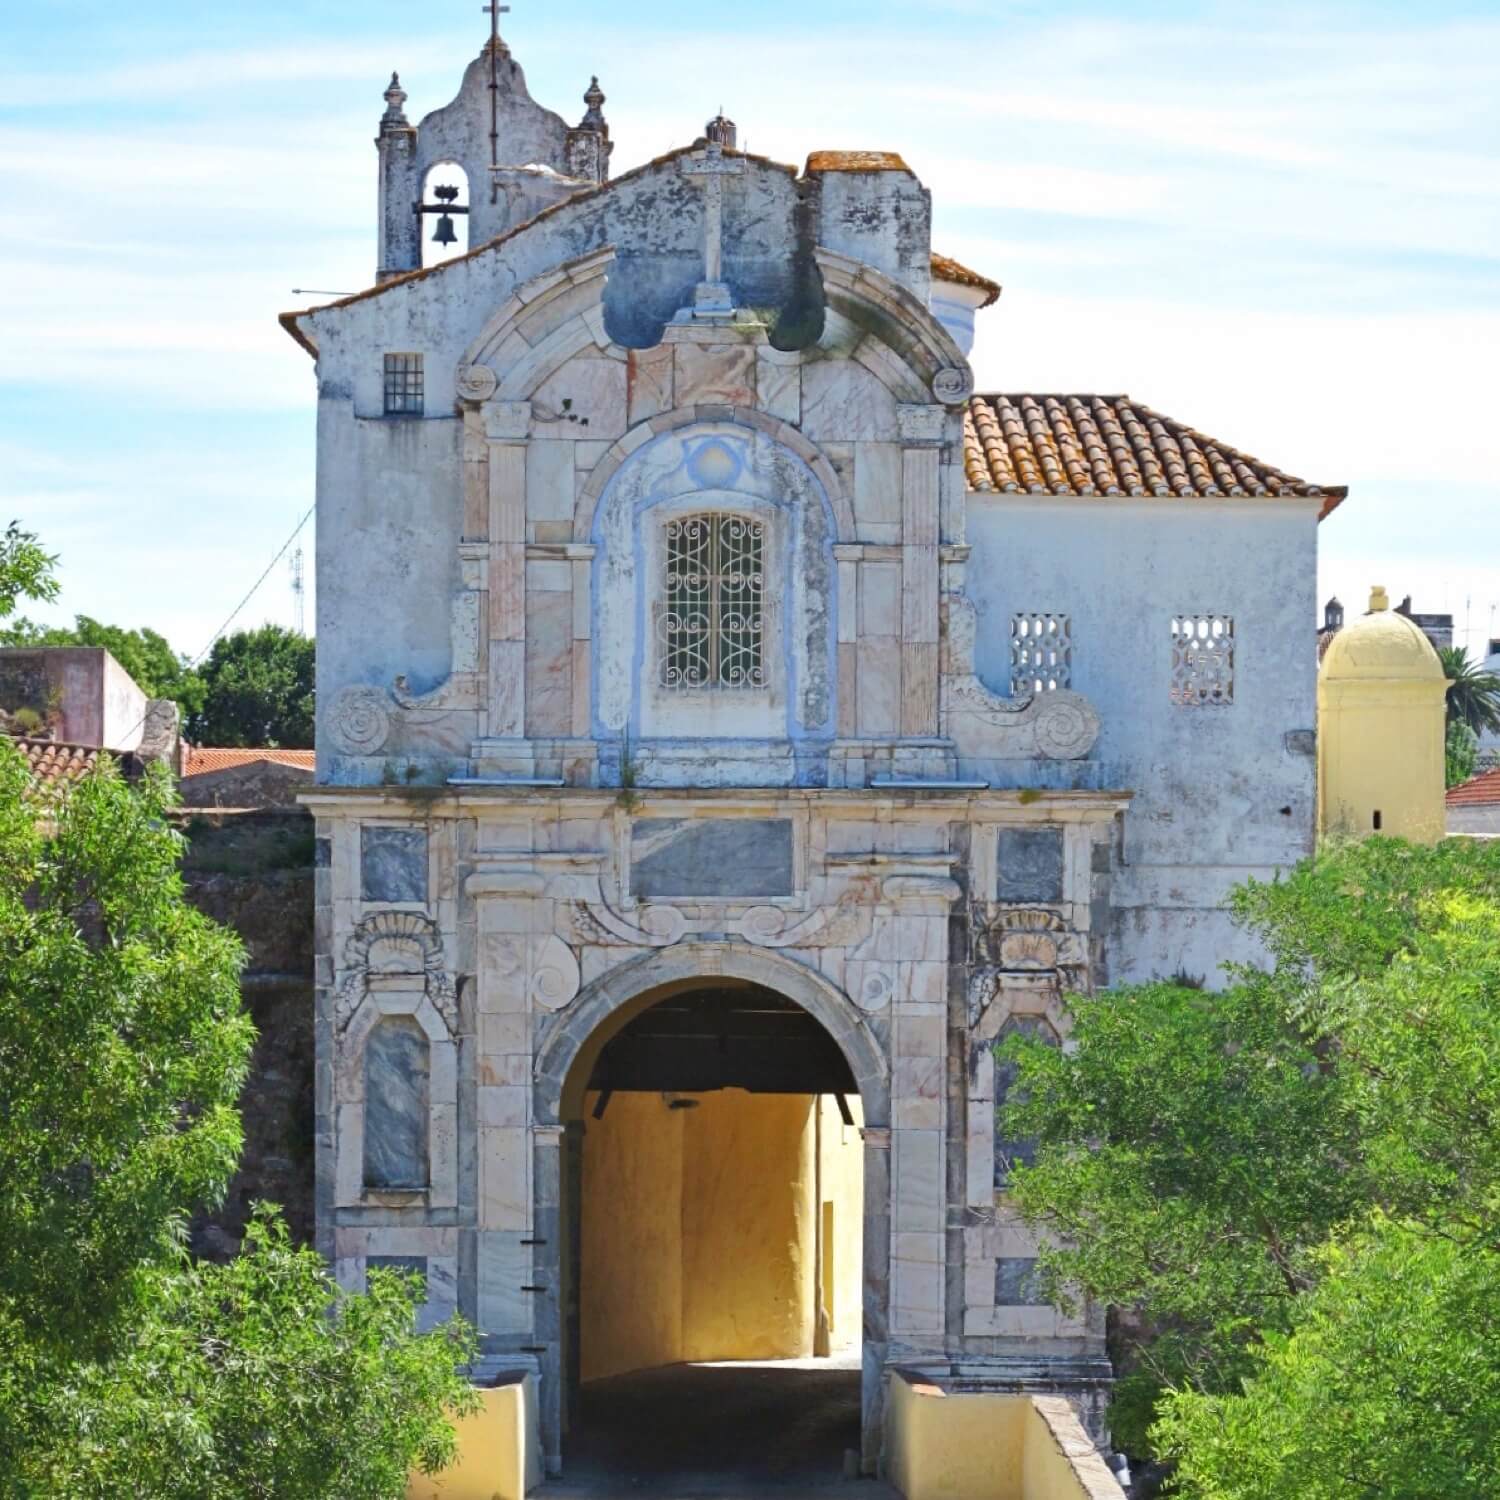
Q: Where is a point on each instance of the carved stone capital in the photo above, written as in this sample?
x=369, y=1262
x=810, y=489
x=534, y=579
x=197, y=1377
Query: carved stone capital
x=507, y=421
x=476, y=383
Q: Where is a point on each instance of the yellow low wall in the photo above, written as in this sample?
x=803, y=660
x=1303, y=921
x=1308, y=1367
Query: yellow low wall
x=500, y=1452
x=942, y=1446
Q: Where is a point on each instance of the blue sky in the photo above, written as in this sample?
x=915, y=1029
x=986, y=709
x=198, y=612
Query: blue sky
x=1280, y=223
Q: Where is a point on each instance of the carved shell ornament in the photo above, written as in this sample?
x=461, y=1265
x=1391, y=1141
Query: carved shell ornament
x=359, y=721
x=477, y=383
x=395, y=943
x=953, y=385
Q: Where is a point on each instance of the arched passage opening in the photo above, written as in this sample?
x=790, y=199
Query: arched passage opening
x=724, y=1207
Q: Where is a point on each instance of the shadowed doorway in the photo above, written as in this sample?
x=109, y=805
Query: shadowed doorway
x=719, y=1249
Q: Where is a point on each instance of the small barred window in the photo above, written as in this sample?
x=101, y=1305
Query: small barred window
x=1202, y=660
x=1041, y=654
x=712, y=621
x=404, y=392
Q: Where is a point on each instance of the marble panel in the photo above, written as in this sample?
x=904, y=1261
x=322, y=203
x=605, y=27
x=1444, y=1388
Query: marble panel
x=585, y=399
x=877, y=485
x=549, y=576
x=880, y=599
x=919, y=690
x=550, y=486
x=1030, y=865
x=779, y=385
x=879, y=686
x=504, y=1179
x=505, y=1270
x=393, y=866
x=715, y=375
x=397, y=1105
x=549, y=663
x=842, y=402
x=651, y=389
x=1016, y=1283
x=717, y=859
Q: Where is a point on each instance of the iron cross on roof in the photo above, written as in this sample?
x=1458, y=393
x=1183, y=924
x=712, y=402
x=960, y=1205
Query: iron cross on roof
x=494, y=11
x=713, y=298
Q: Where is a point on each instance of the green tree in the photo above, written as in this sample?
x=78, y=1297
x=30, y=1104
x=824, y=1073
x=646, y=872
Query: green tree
x=262, y=1380
x=1473, y=693
x=258, y=691
x=26, y=571
x=125, y=1368
x=1461, y=753
x=123, y=1048
x=1202, y=1153
x=151, y=662
x=1387, y=1389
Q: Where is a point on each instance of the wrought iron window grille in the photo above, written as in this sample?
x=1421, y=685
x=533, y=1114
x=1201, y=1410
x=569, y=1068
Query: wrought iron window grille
x=711, y=624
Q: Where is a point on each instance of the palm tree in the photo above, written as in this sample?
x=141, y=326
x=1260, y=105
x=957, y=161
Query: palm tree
x=1473, y=693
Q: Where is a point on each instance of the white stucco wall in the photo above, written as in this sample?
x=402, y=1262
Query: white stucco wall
x=1219, y=795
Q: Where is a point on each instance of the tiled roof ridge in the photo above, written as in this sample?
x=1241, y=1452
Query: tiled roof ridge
x=1482, y=790
x=204, y=760
x=53, y=763
x=945, y=268
x=1114, y=447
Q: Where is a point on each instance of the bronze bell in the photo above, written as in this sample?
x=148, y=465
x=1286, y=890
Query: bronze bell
x=445, y=233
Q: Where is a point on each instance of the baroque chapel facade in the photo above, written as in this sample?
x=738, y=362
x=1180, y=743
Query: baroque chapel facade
x=691, y=631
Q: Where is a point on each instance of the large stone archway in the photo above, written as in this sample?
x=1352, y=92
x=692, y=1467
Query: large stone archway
x=564, y=1058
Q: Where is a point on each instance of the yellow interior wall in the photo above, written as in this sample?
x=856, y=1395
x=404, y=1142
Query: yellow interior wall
x=631, y=1293
x=844, y=1189
x=699, y=1225
x=499, y=1451
x=1381, y=748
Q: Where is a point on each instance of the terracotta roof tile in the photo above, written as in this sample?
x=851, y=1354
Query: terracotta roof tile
x=1482, y=791
x=855, y=161
x=54, y=765
x=205, y=762
x=1111, y=446
x=945, y=268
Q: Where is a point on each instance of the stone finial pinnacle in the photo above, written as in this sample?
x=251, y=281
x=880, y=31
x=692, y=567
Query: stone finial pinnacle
x=395, y=98
x=594, y=98
x=1380, y=600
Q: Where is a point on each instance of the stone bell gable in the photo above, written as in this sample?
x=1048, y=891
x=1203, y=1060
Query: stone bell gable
x=497, y=565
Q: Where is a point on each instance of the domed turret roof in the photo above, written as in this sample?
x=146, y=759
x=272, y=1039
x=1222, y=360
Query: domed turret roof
x=1382, y=645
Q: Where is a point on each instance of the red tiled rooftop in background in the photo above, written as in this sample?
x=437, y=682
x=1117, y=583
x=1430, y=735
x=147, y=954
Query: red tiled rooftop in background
x=1112, y=447
x=206, y=762
x=1482, y=791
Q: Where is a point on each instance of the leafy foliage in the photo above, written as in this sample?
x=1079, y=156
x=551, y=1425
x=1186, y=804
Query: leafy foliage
x=1206, y=1156
x=1389, y=1387
x=25, y=570
x=262, y=1380
x=1473, y=693
x=156, y=669
x=125, y=1368
x=1461, y=753
x=258, y=691
x=123, y=1048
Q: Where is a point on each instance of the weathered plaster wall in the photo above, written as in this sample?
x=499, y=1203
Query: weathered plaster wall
x=1221, y=793
x=1474, y=820
x=81, y=695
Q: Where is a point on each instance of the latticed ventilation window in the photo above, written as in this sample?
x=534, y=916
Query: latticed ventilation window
x=712, y=621
x=404, y=392
x=1202, y=660
x=1041, y=654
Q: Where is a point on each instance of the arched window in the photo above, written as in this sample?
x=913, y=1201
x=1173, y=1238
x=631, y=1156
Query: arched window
x=712, y=620
x=398, y=1098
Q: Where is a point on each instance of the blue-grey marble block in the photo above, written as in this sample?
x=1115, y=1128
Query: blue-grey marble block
x=1031, y=865
x=726, y=859
x=397, y=1096
x=393, y=865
